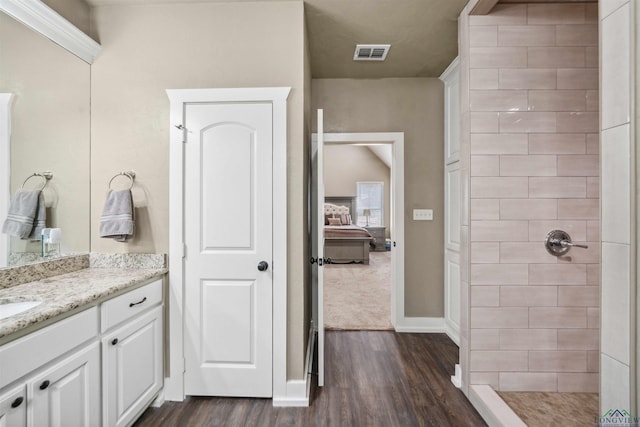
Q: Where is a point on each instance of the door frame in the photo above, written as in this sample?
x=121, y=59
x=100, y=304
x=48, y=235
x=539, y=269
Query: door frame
x=277, y=96
x=396, y=140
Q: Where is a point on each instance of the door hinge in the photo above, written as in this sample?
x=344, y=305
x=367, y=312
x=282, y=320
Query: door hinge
x=184, y=365
x=184, y=250
x=320, y=261
x=182, y=128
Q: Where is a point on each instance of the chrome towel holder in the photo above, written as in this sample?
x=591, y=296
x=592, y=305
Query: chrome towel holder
x=44, y=175
x=129, y=174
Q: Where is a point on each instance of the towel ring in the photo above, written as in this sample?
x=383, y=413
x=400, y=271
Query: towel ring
x=44, y=175
x=129, y=174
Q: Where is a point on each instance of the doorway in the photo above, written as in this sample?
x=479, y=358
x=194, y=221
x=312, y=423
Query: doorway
x=396, y=141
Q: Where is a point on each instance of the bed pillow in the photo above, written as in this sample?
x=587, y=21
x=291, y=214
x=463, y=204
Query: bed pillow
x=345, y=219
x=326, y=218
x=334, y=221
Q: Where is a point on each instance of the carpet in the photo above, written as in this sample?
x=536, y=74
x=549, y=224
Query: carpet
x=358, y=297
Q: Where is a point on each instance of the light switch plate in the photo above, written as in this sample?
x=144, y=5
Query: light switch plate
x=423, y=214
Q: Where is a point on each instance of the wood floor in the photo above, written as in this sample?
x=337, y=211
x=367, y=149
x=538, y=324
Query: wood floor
x=373, y=378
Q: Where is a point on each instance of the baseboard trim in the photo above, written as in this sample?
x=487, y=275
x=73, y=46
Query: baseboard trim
x=492, y=408
x=425, y=325
x=457, y=378
x=298, y=391
x=159, y=400
x=453, y=331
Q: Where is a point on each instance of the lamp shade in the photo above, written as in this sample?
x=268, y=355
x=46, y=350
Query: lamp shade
x=366, y=212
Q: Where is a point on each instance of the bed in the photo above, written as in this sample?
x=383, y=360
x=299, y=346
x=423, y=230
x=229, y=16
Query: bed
x=344, y=243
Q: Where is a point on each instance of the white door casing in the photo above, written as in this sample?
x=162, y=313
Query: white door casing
x=317, y=269
x=228, y=232
x=396, y=140
x=180, y=98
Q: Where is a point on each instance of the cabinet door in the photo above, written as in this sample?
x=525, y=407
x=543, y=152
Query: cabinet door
x=68, y=393
x=13, y=407
x=132, y=367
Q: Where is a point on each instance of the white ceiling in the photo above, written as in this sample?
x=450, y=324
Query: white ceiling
x=422, y=34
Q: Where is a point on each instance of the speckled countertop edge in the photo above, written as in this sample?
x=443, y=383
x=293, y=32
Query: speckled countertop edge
x=67, y=292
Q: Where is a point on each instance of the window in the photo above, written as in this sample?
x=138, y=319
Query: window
x=370, y=196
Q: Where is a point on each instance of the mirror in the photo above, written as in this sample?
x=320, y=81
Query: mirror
x=50, y=132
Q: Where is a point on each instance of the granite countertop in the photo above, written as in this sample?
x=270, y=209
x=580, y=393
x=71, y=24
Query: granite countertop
x=70, y=292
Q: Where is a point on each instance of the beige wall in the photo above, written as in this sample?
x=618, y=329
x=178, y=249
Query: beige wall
x=149, y=48
x=530, y=150
x=50, y=128
x=413, y=106
x=345, y=165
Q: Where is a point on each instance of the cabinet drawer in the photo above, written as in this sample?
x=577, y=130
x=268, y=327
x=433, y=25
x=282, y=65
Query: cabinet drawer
x=121, y=308
x=22, y=356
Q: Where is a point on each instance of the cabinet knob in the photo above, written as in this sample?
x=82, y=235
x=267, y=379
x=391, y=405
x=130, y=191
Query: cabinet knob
x=44, y=384
x=17, y=402
x=114, y=341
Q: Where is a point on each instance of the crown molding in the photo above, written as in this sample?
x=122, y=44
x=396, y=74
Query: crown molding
x=44, y=20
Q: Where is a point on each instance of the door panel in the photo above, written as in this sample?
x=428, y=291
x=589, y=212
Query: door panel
x=227, y=147
x=222, y=301
x=228, y=232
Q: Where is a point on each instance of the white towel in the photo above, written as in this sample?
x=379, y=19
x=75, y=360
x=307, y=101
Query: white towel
x=117, y=221
x=27, y=215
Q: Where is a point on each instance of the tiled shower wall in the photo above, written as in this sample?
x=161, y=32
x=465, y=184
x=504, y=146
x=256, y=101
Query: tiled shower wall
x=534, y=167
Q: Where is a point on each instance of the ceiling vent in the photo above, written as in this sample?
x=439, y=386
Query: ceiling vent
x=371, y=52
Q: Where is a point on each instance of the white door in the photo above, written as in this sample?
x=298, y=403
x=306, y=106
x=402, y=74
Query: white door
x=68, y=394
x=228, y=238
x=452, y=196
x=13, y=407
x=131, y=367
x=317, y=243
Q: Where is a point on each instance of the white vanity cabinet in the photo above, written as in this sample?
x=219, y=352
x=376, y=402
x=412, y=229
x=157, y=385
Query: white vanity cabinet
x=52, y=376
x=132, y=367
x=100, y=367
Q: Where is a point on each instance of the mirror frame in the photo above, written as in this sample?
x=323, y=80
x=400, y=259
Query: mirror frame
x=46, y=21
x=5, y=164
x=39, y=17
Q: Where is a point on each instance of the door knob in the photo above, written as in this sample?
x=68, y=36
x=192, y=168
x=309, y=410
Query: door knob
x=263, y=265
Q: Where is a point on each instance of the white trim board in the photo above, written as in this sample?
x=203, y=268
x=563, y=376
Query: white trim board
x=396, y=140
x=493, y=410
x=422, y=325
x=174, y=383
x=46, y=21
x=5, y=165
x=298, y=391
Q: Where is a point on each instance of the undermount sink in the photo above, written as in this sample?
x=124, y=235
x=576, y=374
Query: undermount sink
x=16, y=305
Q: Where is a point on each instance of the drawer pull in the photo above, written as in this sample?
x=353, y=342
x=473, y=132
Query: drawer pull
x=44, y=384
x=17, y=402
x=114, y=341
x=139, y=302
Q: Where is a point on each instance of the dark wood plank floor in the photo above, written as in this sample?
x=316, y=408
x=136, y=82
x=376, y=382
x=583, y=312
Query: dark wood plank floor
x=373, y=378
